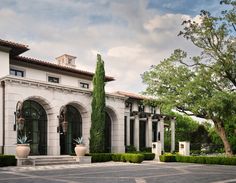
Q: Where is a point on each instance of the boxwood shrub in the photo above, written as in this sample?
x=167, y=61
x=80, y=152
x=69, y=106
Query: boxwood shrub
x=7, y=160
x=124, y=157
x=199, y=159
x=132, y=158
x=167, y=158
x=100, y=157
x=148, y=156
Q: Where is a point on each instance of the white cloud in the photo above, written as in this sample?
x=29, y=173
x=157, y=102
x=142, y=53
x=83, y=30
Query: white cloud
x=130, y=38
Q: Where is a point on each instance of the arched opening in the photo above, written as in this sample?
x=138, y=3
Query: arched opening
x=74, y=119
x=107, y=133
x=35, y=126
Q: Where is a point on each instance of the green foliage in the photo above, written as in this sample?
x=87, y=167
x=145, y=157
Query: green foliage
x=7, y=160
x=199, y=159
x=184, y=127
x=132, y=158
x=125, y=157
x=167, y=158
x=116, y=157
x=146, y=149
x=100, y=157
x=97, y=130
x=130, y=149
x=230, y=126
x=79, y=140
x=207, y=160
x=203, y=86
x=148, y=155
x=23, y=139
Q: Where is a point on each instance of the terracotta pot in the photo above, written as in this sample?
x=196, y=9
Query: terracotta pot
x=80, y=150
x=22, y=150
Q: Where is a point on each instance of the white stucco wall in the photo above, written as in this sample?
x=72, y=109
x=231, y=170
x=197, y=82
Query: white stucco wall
x=116, y=109
x=4, y=60
x=41, y=75
x=52, y=98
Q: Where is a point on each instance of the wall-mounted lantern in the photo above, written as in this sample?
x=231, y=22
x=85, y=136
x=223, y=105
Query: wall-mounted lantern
x=20, y=121
x=62, y=120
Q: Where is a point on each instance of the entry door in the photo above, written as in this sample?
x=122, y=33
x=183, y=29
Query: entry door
x=35, y=127
x=74, y=130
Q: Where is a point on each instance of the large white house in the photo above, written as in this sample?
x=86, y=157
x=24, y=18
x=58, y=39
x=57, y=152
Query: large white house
x=45, y=88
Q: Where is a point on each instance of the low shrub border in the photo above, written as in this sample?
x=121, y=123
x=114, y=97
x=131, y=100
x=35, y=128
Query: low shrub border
x=167, y=158
x=124, y=157
x=148, y=156
x=100, y=157
x=199, y=159
x=7, y=160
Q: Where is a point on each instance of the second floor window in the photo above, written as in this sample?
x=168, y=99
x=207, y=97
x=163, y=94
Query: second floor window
x=53, y=79
x=16, y=72
x=84, y=85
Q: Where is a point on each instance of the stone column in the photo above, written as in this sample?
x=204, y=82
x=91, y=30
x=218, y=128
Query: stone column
x=136, y=132
x=128, y=130
x=172, y=125
x=149, y=132
x=161, y=130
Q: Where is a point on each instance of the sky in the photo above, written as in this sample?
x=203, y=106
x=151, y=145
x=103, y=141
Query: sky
x=131, y=35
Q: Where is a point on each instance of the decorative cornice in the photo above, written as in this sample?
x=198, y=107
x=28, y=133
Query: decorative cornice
x=59, y=87
x=36, y=83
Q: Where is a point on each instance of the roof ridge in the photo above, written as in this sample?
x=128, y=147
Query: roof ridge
x=57, y=65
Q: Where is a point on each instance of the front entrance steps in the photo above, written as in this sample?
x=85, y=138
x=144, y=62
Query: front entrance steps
x=53, y=160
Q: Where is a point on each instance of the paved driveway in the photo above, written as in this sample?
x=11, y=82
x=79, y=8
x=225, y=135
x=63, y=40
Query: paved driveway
x=147, y=172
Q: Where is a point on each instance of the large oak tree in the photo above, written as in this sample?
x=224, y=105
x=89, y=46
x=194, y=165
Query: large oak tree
x=205, y=85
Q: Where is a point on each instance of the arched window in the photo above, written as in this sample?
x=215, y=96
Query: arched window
x=35, y=127
x=74, y=119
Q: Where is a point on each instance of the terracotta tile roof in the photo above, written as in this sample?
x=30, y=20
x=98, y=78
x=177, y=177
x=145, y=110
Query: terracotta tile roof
x=56, y=66
x=132, y=95
x=16, y=48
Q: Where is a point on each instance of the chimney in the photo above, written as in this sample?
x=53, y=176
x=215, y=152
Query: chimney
x=66, y=60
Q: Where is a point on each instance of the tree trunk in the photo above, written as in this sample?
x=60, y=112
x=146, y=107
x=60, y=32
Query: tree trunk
x=221, y=132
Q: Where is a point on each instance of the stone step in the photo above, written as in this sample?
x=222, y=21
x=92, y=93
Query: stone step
x=39, y=163
x=53, y=160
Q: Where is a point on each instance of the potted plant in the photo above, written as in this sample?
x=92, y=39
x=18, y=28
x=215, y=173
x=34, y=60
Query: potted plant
x=80, y=148
x=22, y=148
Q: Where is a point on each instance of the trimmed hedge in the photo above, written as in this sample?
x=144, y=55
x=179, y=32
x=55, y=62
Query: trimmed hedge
x=199, y=159
x=167, y=158
x=148, y=156
x=125, y=157
x=132, y=158
x=100, y=157
x=7, y=160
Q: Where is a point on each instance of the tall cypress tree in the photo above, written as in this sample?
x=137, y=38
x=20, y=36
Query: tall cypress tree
x=97, y=130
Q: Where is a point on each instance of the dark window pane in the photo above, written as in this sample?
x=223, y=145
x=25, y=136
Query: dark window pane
x=125, y=130
x=84, y=85
x=53, y=79
x=15, y=72
x=131, y=132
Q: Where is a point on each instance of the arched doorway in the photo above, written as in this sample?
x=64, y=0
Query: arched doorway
x=35, y=126
x=74, y=119
x=107, y=133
